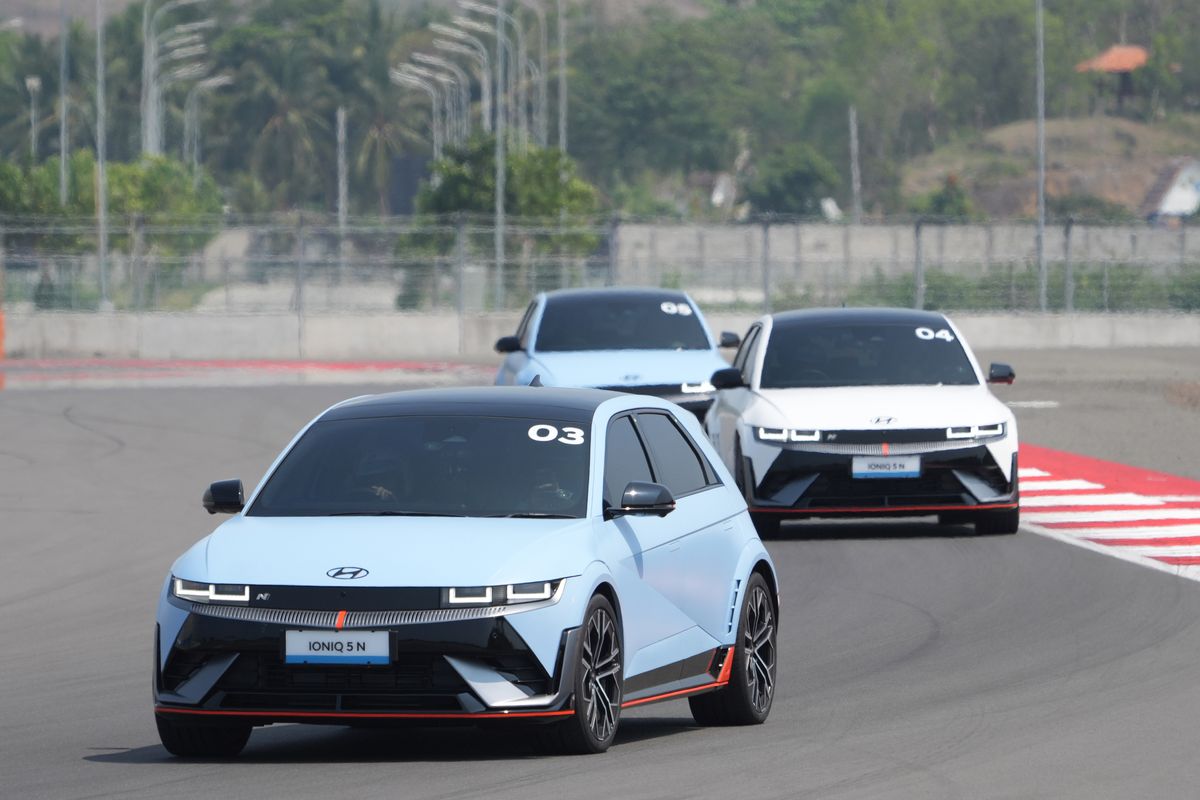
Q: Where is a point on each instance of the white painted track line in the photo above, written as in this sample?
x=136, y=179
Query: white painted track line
x=1078, y=500
x=1058, y=486
x=1148, y=532
x=1121, y=515
x=1031, y=472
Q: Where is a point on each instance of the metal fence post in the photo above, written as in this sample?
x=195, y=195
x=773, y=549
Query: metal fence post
x=1068, y=268
x=460, y=264
x=614, y=233
x=918, y=268
x=299, y=245
x=765, y=260
x=137, y=262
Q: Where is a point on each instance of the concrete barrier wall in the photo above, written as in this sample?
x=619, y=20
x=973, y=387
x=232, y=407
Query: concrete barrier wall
x=335, y=337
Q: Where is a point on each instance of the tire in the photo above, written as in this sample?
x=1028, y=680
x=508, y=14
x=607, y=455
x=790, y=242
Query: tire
x=201, y=739
x=995, y=523
x=598, y=686
x=954, y=518
x=747, y=698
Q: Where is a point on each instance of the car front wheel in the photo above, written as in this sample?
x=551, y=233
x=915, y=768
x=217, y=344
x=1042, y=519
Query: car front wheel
x=992, y=523
x=598, y=685
x=182, y=737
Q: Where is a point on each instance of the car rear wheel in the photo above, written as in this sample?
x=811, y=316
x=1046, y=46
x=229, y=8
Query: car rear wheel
x=747, y=698
x=992, y=523
x=598, y=685
x=201, y=739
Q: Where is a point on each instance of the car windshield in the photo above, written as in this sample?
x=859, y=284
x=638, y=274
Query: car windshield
x=460, y=466
x=628, y=322
x=809, y=356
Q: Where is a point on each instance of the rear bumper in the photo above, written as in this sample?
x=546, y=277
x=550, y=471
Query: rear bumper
x=467, y=670
x=822, y=484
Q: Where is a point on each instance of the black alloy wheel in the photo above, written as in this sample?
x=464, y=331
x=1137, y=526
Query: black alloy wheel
x=747, y=699
x=767, y=525
x=598, y=684
x=201, y=739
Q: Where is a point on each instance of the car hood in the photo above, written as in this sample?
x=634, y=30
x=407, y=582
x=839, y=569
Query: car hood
x=878, y=407
x=396, y=551
x=627, y=367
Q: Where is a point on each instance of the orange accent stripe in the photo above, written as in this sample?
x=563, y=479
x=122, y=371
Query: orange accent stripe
x=882, y=510
x=341, y=620
x=678, y=693
x=340, y=715
x=726, y=668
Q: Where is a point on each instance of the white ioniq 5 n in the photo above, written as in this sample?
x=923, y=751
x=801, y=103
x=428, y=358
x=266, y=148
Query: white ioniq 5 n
x=864, y=413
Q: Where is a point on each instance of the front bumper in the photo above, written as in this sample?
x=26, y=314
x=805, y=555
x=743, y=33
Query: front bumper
x=822, y=484
x=465, y=669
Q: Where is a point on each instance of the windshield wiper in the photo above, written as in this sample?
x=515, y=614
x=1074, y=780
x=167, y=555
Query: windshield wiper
x=530, y=515
x=392, y=514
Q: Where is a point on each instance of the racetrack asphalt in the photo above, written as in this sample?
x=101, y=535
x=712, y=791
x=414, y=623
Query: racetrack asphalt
x=915, y=661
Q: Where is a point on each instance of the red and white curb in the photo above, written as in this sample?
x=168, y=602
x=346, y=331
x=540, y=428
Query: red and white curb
x=1149, y=518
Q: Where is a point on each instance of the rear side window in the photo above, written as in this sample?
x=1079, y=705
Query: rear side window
x=677, y=465
x=624, y=460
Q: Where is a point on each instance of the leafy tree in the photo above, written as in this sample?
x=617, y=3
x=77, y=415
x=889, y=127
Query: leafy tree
x=792, y=181
x=950, y=202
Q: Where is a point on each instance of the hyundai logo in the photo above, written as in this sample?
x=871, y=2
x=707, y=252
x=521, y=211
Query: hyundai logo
x=347, y=573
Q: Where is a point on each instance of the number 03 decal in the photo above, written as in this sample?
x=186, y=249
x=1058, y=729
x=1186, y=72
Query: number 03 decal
x=928, y=334
x=549, y=433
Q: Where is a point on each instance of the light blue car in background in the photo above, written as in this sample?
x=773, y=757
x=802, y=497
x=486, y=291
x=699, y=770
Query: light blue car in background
x=642, y=341
x=535, y=555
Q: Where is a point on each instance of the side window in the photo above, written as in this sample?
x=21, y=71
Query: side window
x=677, y=465
x=523, y=328
x=624, y=460
x=743, y=353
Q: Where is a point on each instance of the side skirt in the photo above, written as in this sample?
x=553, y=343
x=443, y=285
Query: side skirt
x=701, y=673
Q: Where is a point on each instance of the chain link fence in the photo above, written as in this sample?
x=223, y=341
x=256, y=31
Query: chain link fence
x=310, y=264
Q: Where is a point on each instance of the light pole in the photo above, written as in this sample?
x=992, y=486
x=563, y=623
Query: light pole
x=404, y=78
x=465, y=44
x=517, y=79
x=464, y=88
x=64, y=145
x=191, y=121
x=448, y=93
x=101, y=156
x=485, y=77
x=562, y=78
x=504, y=52
x=151, y=42
x=34, y=86
x=501, y=167
x=1041, y=158
x=539, y=11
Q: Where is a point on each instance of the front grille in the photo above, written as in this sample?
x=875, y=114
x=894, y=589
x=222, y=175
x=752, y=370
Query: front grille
x=359, y=619
x=832, y=485
x=411, y=682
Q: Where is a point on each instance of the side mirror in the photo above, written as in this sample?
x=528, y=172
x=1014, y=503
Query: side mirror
x=728, y=378
x=729, y=339
x=643, y=499
x=1001, y=373
x=225, y=497
x=508, y=344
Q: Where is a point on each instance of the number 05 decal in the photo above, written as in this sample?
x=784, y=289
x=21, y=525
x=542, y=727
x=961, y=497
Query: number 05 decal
x=549, y=433
x=928, y=334
x=682, y=309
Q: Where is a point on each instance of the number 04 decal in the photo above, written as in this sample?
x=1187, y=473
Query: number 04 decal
x=549, y=433
x=928, y=334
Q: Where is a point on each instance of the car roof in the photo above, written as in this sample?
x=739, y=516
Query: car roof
x=616, y=293
x=857, y=316
x=493, y=401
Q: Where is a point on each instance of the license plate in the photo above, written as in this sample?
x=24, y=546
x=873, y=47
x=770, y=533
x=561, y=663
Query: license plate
x=886, y=467
x=337, y=647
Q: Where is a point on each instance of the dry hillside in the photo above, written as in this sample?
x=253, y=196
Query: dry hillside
x=1114, y=159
